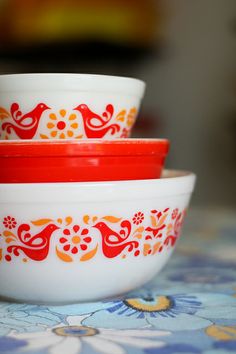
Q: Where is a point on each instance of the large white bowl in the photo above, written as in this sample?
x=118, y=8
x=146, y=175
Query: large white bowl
x=68, y=106
x=70, y=242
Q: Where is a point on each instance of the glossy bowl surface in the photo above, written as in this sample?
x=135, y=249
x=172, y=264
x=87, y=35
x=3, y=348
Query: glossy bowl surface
x=80, y=161
x=68, y=106
x=69, y=242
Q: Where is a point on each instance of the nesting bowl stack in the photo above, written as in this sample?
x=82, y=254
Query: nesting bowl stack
x=85, y=211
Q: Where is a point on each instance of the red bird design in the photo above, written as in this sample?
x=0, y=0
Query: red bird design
x=112, y=242
x=25, y=126
x=35, y=247
x=96, y=126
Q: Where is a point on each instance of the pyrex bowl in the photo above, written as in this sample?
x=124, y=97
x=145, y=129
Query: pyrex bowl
x=68, y=106
x=85, y=241
x=79, y=161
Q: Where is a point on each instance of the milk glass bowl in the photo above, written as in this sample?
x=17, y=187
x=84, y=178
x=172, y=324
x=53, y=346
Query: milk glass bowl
x=68, y=106
x=69, y=242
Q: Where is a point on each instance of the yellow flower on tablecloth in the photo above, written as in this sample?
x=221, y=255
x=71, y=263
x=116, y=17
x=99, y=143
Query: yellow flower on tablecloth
x=224, y=333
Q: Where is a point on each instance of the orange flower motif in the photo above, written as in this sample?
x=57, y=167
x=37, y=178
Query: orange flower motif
x=138, y=218
x=63, y=125
x=131, y=117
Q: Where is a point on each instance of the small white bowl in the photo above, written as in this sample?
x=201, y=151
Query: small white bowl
x=68, y=106
x=68, y=242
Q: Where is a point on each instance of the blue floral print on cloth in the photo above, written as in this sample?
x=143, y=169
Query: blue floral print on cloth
x=189, y=308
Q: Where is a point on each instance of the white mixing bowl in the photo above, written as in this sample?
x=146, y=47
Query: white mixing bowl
x=68, y=106
x=68, y=242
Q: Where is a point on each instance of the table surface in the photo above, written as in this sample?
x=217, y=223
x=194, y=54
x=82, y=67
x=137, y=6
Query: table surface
x=190, y=307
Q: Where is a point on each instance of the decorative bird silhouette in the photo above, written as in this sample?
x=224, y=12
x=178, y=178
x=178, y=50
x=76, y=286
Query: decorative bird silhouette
x=25, y=126
x=35, y=247
x=96, y=126
x=112, y=242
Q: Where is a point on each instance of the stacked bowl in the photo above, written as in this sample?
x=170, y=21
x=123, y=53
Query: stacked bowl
x=85, y=211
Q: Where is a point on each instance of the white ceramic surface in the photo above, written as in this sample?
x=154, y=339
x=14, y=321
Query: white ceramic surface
x=68, y=106
x=84, y=241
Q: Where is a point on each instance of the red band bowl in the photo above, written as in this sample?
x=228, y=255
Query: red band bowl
x=82, y=161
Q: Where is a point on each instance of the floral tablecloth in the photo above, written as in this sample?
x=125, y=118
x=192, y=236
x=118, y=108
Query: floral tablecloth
x=189, y=308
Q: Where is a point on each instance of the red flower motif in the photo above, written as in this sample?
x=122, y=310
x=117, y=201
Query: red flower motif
x=74, y=240
x=174, y=213
x=9, y=222
x=138, y=218
x=125, y=133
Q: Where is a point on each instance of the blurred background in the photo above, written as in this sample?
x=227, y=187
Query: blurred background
x=185, y=50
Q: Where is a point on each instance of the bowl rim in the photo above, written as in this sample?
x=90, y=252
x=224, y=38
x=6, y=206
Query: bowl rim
x=87, y=147
x=172, y=184
x=95, y=83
